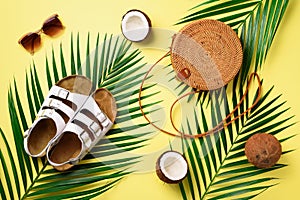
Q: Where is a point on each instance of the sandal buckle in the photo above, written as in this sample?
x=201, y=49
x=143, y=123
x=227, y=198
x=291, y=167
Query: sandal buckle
x=105, y=123
x=63, y=94
x=101, y=116
x=47, y=112
x=94, y=126
x=86, y=139
x=54, y=103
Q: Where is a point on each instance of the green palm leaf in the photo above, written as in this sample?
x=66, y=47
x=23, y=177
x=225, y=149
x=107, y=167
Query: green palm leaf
x=218, y=166
x=114, y=65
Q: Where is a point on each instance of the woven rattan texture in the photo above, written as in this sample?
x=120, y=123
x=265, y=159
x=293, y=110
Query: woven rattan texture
x=210, y=50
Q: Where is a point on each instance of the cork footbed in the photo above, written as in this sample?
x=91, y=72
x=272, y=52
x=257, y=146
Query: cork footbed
x=69, y=146
x=45, y=130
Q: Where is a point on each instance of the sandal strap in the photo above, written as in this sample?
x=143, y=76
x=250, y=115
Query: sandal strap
x=62, y=94
x=57, y=104
x=48, y=114
x=99, y=127
x=86, y=121
x=52, y=114
x=53, y=103
x=59, y=92
x=82, y=135
x=77, y=99
x=93, y=107
x=88, y=130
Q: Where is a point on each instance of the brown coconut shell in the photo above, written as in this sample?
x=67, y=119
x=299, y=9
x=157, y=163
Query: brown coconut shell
x=147, y=18
x=263, y=150
x=161, y=175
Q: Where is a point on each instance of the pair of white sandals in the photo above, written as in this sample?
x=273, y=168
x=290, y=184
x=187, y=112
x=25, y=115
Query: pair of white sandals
x=70, y=122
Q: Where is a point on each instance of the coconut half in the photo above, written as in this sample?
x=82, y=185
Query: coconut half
x=135, y=25
x=171, y=167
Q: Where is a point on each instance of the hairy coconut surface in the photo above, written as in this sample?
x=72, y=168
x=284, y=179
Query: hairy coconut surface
x=263, y=150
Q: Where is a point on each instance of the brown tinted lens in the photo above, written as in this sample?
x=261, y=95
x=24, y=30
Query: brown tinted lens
x=53, y=26
x=31, y=42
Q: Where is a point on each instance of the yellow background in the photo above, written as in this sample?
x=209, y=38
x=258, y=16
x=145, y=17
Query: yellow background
x=281, y=69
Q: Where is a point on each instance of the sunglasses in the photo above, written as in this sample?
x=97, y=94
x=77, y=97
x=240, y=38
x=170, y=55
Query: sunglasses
x=51, y=27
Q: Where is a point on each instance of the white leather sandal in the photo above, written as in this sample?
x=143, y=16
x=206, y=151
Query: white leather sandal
x=62, y=102
x=82, y=133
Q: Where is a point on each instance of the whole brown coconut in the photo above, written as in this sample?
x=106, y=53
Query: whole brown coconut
x=263, y=150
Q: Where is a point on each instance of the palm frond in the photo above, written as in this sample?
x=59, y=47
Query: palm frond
x=114, y=65
x=218, y=166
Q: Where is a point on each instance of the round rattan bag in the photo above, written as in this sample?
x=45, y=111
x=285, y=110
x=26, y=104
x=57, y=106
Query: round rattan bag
x=206, y=54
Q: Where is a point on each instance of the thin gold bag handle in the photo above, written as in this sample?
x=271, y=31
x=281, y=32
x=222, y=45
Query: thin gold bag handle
x=215, y=129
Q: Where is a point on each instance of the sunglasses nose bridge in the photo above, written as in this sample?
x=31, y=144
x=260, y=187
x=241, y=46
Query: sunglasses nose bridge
x=40, y=31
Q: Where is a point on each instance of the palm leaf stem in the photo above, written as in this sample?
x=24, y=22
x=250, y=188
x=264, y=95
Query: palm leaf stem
x=243, y=22
x=216, y=173
x=13, y=166
x=231, y=194
x=6, y=174
x=222, y=162
x=35, y=180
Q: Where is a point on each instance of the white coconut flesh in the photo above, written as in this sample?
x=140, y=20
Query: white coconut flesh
x=173, y=166
x=135, y=26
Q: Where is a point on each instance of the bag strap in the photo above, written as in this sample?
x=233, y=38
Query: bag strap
x=215, y=129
